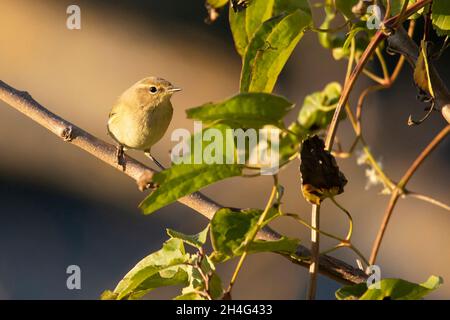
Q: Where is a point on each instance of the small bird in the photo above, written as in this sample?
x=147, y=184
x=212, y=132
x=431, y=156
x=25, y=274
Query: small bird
x=141, y=116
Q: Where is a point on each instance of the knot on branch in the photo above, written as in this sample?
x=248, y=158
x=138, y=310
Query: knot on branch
x=66, y=134
x=25, y=95
x=145, y=181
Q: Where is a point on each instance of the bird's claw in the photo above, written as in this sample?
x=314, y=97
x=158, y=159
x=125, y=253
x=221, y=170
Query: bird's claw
x=120, y=157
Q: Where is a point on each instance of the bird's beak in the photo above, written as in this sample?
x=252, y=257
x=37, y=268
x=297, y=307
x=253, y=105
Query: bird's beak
x=174, y=89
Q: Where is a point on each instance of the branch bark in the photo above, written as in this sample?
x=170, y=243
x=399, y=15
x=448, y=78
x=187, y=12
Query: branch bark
x=23, y=102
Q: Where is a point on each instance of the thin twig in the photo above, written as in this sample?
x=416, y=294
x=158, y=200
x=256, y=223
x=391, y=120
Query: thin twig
x=349, y=216
x=427, y=199
x=401, y=185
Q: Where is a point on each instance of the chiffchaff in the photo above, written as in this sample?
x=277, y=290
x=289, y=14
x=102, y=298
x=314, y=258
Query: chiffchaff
x=141, y=116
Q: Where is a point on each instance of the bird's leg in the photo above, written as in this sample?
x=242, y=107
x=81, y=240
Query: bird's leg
x=120, y=156
x=149, y=155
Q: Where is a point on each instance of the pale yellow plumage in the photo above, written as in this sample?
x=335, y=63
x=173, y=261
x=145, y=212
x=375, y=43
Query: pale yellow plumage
x=142, y=114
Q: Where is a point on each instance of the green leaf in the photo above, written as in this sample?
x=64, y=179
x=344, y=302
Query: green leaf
x=248, y=110
x=196, y=240
x=230, y=229
x=212, y=144
x=352, y=292
x=440, y=15
x=215, y=286
x=328, y=39
x=282, y=245
x=237, y=24
x=398, y=289
x=256, y=13
x=231, y=143
x=161, y=268
x=183, y=179
x=197, y=281
x=352, y=34
x=318, y=107
x=270, y=49
x=290, y=142
x=108, y=295
x=393, y=289
x=339, y=42
x=244, y=23
x=171, y=276
x=217, y=3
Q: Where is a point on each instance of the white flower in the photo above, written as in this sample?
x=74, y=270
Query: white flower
x=373, y=178
x=361, y=157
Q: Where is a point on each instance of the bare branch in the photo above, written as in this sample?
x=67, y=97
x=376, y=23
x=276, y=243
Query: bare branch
x=23, y=102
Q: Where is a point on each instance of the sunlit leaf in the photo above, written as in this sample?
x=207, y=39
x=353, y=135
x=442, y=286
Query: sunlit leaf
x=329, y=40
x=339, y=41
x=352, y=292
x=256, y=13
x=440, y=15
x=108, y=295
x=230, y=229
x=197, y=281
x=245, y=110
x=237, y=24
x=161, y=268
x=421, y=77
x=318, y=107
x=196, y=240
x=183, y=179
x=244, y=23
x=270, y=49
x=392, y=289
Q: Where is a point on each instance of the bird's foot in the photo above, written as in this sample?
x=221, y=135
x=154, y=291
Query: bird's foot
x=120, y=157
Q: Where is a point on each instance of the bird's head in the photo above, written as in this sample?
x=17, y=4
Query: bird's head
x=151, y=91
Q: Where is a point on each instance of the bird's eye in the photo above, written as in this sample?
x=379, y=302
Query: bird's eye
x=153, y=89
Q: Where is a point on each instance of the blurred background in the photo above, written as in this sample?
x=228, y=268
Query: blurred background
x=60, y=206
